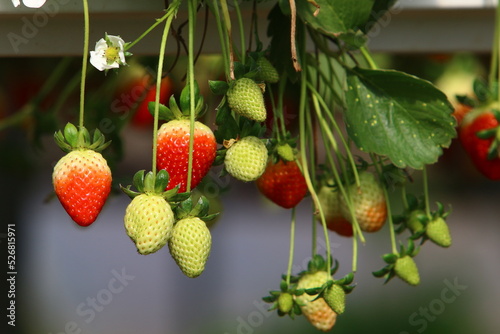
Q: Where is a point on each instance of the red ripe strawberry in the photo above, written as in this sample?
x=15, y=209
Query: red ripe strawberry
x=482, y=151
x=173, y=152
x=283, y=183
x=82, y=178
x=142, y=116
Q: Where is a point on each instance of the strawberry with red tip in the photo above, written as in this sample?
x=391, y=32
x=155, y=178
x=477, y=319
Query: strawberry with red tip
x=172, y=152
x=282, y=181
x=82, y=178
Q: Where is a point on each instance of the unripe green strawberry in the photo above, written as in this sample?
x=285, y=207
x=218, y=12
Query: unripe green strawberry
x=245, y=98
x=369, y=203
x=413, y=222
x=82, y=182
x=190, y=245
x=335, y=298
x=246, y=159
x=406, y=269
x=438, y=231
x=148, y=221
x=285, y=302
x=317, y=312
x=267, y=72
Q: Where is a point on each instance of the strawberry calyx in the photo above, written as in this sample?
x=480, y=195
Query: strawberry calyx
x=493, y=134
x=71, y=139
x=187, y=209
x=283, y=149
x=155, y=185
x=182, y=109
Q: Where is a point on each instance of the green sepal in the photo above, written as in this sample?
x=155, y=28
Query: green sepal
x=486, y=134
x=61, y=142
x=201, y=208
x=149, y=183
x=348, y=288
x=175, y=108
x=218, y=87
x=138, y=180
x=184, y=208
x=283, y=286
x=269, y=299
x=382, y=272
x=346, y=280
x=161, y=182
x=296, y=309
x=130, y=193
x=164, y=113
x=71, y=135
x=390, y=258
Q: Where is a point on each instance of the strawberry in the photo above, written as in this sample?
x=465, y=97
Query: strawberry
x=283, y=183
x=81, y=178
x=335, y=298
x=406, y=269
x=369, y=203
x=190, y=245
x=142, y=116
x=329, y=199
x=267, y=72
x=477, y=134
x=438, y=232
x=285, y=302
x=173, y=152
x=246, y=159
x=245, y=98
x=148, y=221
x=317, y=312
x=149, y=217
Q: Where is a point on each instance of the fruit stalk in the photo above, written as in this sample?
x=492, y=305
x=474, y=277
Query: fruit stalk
x=192, y=20
x=292, y=247
x=86, y=32
x=159, y=76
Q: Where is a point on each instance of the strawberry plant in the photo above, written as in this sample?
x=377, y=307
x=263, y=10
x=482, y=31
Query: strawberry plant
x=359, y=135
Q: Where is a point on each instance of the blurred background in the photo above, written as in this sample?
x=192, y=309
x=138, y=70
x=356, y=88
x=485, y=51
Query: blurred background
x=92, y=280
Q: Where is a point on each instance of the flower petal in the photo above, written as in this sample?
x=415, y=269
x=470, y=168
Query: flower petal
x=16, y=3
x=32, y=3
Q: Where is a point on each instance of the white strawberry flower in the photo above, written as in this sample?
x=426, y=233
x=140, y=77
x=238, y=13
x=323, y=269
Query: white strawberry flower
x=29, y=3
x=109, y=53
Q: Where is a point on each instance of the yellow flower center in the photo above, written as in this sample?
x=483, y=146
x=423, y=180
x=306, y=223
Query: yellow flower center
x=112, y=54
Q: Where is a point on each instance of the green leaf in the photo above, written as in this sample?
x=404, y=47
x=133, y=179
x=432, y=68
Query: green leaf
x=335, y=17
x=227, y=128
x=397, y=115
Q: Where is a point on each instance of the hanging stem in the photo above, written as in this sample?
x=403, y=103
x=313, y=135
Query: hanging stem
x=494, y=73
x=241, y=31
x=292, y=247
x=378, y=168
x=223, y=38
x=293, y=46
x=426, y=192
x=171, y=11
x=144, y=34
x=192, y=21
x=227, y=21
x=86, y=32
x=366, y=54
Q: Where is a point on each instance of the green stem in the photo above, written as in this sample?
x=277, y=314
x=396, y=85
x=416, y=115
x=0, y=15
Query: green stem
x=145, y=33
x=241, y=31
x=366, y=54
x=426, y=192
x=171, y=11
x=223, y=38
x=86, y=33
x=378, y=168
x=292, y=247
x=494, y=66
x=192, y=21
x=303, y=163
